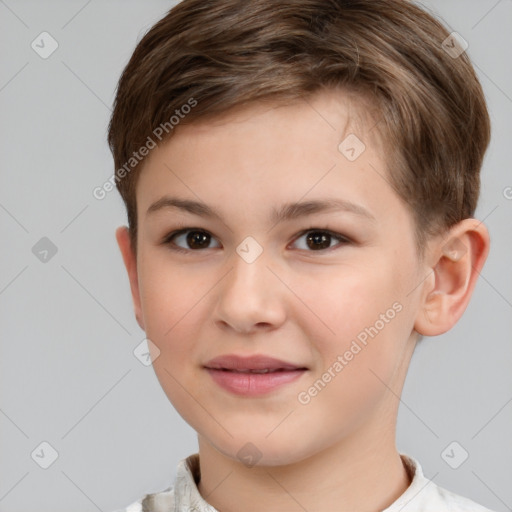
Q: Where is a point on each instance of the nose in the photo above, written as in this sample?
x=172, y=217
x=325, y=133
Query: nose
x=250, y=297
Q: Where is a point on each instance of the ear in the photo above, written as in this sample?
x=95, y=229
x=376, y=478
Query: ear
x=130, y=262
x=456, y=260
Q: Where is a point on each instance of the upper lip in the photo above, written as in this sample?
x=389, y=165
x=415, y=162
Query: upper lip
x=256, y=362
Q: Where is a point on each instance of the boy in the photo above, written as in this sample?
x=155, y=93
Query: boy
x=300, y=179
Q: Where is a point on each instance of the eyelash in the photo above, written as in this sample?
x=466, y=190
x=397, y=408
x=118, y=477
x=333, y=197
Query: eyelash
x=343, y=240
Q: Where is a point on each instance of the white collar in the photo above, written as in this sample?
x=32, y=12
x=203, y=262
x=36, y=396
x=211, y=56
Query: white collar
x=421, y=495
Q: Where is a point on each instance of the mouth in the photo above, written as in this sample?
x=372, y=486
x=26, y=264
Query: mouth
x=251, y=376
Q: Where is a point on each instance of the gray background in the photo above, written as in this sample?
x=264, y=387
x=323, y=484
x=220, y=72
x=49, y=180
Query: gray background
x=68, y=375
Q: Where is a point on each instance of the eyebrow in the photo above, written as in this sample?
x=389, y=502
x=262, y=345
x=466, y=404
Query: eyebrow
x=287, y=211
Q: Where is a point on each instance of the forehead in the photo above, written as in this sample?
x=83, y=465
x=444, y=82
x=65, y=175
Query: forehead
x=321, y=120
x=266, y=151
x=341, y=110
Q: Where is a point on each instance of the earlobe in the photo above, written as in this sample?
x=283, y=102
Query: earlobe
x=456, y=264
x=128, y=254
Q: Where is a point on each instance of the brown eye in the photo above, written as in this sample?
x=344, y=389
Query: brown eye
x=197, y=239
x=317, y=240
x=187, y=240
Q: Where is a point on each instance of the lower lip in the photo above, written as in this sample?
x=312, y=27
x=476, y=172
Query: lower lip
x=252, y=384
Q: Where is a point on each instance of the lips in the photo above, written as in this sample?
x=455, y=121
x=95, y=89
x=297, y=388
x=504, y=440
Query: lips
x=254, y=375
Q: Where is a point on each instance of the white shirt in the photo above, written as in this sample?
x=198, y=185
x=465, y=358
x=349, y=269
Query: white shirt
x=422, y=495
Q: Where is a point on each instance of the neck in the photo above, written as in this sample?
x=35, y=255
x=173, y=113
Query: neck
x=366, y=473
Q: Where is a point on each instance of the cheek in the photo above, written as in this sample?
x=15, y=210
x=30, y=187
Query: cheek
x=171, y=303
x=170, y=300
x=358, y=370
x=359, y=332
x=341, y=303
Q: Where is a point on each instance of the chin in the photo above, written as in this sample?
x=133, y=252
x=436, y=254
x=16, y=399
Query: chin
x=263, y=452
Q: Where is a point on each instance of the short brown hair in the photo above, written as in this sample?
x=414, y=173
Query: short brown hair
x=228, y=53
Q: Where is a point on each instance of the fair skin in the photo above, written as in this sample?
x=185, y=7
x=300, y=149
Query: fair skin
x=298, y=301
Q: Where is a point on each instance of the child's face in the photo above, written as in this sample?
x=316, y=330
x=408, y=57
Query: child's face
x=304, y=300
